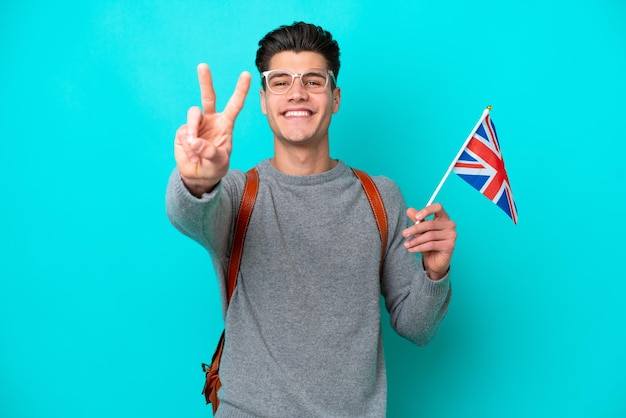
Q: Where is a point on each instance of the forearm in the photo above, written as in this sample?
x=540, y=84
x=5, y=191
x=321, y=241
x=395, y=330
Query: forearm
x=418, y=310
x=206, y=219
x=190, y=214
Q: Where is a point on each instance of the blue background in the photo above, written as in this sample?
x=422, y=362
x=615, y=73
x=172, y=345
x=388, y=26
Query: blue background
x=106, y=310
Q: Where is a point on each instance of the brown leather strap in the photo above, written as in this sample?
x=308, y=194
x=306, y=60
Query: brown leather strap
x=212, y=380
x=241, y=226
x=378, y=207
x=245, y=212
x=213, y=383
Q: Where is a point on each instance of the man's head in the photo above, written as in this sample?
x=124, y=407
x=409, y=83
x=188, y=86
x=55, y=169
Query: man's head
x=298, y=37
x=300, y=63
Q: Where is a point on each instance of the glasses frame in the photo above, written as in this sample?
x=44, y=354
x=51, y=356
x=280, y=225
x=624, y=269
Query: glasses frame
x=265, y=75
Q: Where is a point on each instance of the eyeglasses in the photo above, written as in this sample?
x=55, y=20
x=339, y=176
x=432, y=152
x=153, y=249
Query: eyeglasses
x=314, y=80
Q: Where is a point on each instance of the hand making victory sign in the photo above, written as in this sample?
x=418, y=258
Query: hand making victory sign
x=203, y=145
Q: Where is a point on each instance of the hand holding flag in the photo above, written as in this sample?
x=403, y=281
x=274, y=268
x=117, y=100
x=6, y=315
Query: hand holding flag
x=434, y=239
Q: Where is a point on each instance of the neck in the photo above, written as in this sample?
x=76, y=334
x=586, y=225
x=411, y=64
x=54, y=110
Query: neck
x=302, y=162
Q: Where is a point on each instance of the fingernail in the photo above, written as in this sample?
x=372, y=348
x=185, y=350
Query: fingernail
x=189, y=139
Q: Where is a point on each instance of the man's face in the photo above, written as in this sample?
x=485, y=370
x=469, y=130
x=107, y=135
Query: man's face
x=299, y=116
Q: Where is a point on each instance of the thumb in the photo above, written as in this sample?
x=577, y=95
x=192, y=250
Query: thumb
x=415, y=215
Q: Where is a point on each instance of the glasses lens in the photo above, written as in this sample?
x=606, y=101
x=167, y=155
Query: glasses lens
x=315, y=80
x=279, y=81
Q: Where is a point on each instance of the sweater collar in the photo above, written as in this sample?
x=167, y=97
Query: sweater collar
x=266, y=168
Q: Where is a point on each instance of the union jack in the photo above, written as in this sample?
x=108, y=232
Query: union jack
x=482, y=166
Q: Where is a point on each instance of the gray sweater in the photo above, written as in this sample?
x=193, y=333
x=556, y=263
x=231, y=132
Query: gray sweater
x=303, y=332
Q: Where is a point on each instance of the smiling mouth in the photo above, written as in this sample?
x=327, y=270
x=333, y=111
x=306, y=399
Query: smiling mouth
x=297, y=113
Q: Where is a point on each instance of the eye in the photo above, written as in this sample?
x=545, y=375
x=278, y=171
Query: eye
x=314, y=79
x=280, y=80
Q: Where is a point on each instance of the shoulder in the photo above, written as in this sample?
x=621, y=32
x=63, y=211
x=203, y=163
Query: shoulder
x=390, y=193
x=386, y=185
x=388, y=188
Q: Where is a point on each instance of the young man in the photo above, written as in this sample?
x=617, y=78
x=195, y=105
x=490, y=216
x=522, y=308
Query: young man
x=303, y=332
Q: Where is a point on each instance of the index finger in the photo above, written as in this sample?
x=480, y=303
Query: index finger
x=207, y=93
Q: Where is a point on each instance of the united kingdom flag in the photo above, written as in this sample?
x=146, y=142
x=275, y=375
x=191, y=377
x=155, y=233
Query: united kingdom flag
x=481, y=165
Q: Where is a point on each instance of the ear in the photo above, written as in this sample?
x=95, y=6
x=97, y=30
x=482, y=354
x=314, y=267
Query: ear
x=263, y=108
x=336, y=99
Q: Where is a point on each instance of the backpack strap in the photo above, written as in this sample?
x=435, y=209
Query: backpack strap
x=251, y=188
x=378, y=208
x=245, y=212
x=246, y=206
x=212, y=380
x=241, y=226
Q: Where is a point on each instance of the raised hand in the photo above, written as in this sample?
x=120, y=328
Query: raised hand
x=434, y=238
x=203, y=145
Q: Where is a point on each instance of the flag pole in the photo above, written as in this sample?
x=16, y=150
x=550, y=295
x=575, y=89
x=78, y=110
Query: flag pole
x=445, y=176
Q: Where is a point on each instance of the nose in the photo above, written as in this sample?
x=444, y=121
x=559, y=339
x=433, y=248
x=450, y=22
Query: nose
x=297, y=90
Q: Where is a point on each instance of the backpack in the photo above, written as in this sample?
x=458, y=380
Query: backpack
x=212, y=380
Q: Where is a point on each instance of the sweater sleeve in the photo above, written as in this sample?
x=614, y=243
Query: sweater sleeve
x=209, y=219
x=416, y=304
x=195, y=217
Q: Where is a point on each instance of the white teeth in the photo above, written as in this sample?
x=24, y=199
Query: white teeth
x=297, y=113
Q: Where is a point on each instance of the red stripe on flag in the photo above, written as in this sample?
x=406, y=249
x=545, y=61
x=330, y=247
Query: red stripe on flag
x=486, y=154
x=469, y=165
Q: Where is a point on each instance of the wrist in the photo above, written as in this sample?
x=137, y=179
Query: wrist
x=198, y=186
x=435, y=275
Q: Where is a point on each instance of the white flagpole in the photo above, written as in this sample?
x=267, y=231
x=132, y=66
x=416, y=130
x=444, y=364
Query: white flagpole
x=469, y=137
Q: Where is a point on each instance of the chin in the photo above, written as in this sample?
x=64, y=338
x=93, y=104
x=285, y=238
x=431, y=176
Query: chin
x=297, y=138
